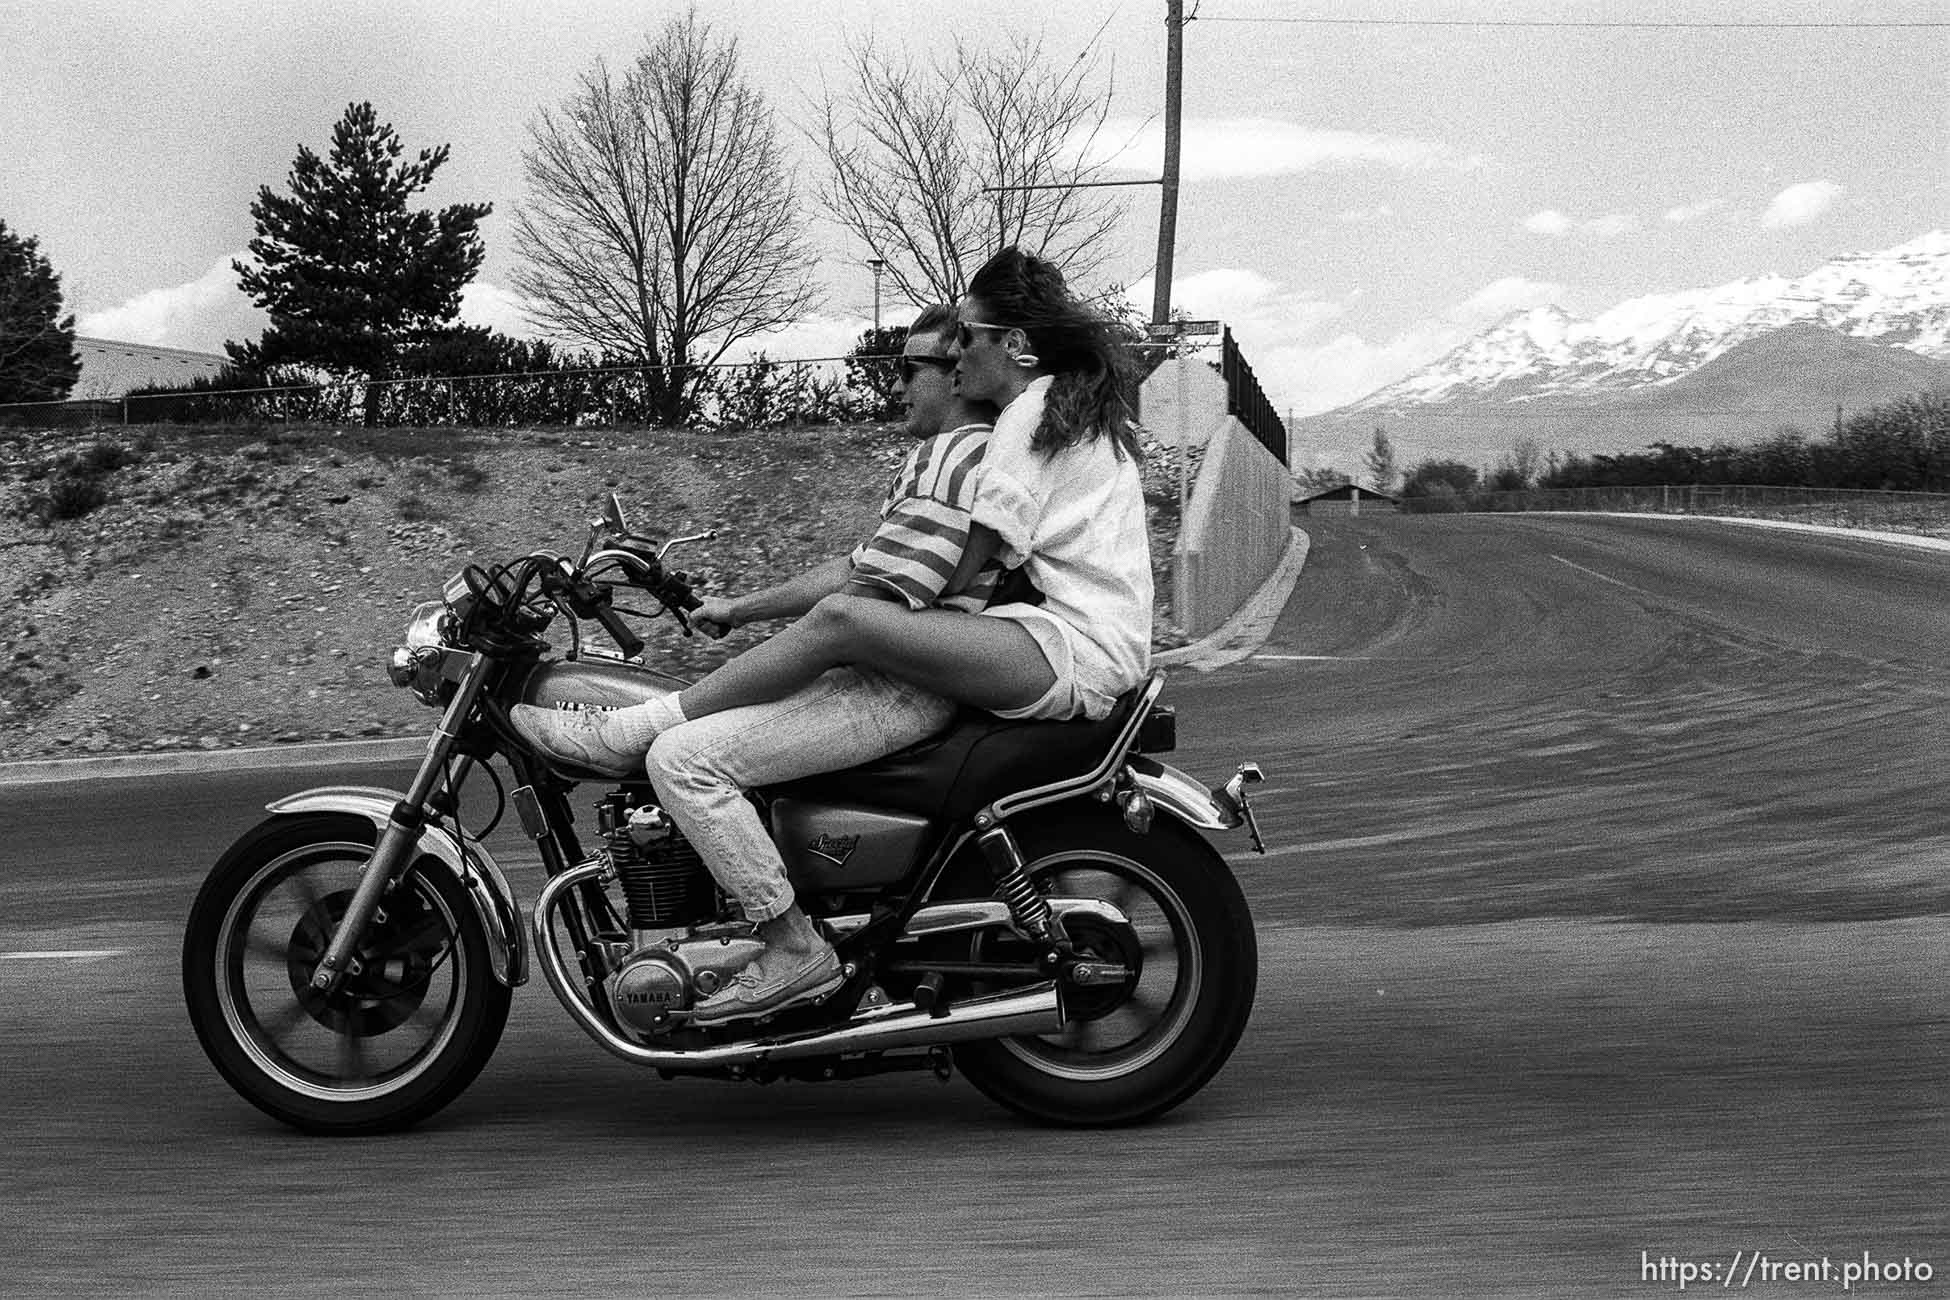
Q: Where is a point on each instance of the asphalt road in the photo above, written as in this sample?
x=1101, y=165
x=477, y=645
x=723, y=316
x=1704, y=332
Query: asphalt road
x=1603, y=934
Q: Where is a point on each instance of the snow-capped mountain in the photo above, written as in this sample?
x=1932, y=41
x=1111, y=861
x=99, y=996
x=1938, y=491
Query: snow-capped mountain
x=1898, y=297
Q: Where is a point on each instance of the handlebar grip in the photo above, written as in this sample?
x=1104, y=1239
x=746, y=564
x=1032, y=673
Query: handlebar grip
x=627, y=641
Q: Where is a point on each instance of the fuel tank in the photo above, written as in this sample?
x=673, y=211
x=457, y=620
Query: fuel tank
x=837, y=848
x=595, y=682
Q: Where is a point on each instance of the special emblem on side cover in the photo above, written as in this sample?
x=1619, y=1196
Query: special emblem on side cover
x=836, y=849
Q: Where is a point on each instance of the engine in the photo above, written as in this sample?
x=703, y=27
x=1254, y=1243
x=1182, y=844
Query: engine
x=681, y=947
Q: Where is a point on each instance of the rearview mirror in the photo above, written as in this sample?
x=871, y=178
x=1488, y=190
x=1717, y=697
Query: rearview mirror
x=613, y=516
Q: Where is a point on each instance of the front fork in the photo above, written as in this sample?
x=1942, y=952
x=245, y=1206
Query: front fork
x=394, y=851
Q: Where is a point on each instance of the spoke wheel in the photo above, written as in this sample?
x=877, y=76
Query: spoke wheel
x=407, y=1029
x=1132, y=1050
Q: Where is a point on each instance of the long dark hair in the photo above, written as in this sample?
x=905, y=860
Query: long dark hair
x=1092, y=369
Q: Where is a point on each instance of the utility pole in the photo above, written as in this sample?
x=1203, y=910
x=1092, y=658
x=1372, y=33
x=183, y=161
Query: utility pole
x=1168, y=203
x=876, y=265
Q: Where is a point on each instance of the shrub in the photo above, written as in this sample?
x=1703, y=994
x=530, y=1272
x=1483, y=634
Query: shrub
x=103, y=457
x=70, y=496
x=870, y=374
x=1426, y=477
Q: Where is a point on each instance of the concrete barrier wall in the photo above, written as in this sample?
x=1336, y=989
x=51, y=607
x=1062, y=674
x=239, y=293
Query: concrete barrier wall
x=1235, y=530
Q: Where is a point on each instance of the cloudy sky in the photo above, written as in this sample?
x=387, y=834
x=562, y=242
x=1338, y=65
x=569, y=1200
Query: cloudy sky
x=1368, y=182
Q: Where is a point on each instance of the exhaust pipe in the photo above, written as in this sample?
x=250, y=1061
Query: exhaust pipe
x=897, y=1025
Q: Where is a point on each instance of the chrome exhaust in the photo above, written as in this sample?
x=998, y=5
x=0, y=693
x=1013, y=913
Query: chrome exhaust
x=878, y=1029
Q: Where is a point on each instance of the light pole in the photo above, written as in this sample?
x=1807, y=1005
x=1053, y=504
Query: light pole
x=876, y=265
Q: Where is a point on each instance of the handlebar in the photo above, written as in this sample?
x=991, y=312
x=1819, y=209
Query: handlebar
x=626, y=640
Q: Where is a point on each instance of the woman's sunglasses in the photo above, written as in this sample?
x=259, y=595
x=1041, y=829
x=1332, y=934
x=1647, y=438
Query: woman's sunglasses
x=965, y=331
x=911, y=365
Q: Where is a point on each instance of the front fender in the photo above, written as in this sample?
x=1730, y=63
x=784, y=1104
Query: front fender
x=1181, y=796
x=477, y=872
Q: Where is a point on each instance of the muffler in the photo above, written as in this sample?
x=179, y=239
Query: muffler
x=901, y=1024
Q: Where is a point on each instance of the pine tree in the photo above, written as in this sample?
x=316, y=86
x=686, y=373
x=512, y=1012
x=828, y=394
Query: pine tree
x=350, y=276
x=1380, y=462
x=38, y=362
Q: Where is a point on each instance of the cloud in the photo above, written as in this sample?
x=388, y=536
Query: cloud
x=198, y=315
x=1303, y=358
x=813, y=336
x=1557, y=224
x=492, y=307
x=1691, y=211
x=1548, y=222
x=204, y=313
x=1797, y=205
x=1245, y=148
x=1289, y=338
x=1611, y=225
x=1496, y=300
x=1366, y=216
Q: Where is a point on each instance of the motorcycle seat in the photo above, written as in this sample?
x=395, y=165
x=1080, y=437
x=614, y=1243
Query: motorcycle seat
x=976, y=761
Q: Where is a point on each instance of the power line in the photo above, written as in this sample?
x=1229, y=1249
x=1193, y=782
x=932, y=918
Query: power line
x=1594, y=23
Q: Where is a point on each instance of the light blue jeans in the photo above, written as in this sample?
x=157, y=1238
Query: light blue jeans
x=702, y=768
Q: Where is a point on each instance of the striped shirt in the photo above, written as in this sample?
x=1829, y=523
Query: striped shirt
x=923, y=529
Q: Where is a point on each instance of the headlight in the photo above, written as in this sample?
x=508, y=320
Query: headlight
x=399, y=669
x=418, y=668
x=416, y=664
x=427, y=627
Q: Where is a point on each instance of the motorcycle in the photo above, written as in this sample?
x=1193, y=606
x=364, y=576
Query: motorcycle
x=1030, y=902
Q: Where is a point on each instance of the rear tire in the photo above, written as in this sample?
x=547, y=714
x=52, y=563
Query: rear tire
x=1133, y=1058
x=397, y=1041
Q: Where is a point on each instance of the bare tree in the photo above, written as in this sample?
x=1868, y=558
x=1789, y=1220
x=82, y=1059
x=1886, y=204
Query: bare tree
x=910, y=148
x=661, y=222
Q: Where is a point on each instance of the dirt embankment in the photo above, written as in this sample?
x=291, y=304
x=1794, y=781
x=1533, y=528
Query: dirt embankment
x=171, y=588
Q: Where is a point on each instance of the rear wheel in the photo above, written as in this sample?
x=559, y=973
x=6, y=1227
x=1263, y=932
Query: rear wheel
x=1131, y=1050
x=399, y=1039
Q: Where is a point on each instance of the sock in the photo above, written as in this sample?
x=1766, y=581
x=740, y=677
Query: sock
x=635, y=727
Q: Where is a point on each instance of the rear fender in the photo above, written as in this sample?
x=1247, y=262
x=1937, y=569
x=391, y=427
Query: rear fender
x=472, y=867
x=1180, y=795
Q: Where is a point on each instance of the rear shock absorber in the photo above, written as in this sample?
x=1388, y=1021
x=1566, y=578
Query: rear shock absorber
x=1027, y=906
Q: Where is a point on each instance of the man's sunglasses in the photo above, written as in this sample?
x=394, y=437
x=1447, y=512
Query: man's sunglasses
x=965, y=331
x=911, y=365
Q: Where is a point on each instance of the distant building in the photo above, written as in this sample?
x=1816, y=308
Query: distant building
x=1347, y=499
x=110, y=369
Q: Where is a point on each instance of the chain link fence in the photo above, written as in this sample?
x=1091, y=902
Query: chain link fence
x=750, y=394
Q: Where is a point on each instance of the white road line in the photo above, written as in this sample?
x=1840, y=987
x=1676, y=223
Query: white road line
x=1602, y=577
x=1318, y=659
x=65, y=954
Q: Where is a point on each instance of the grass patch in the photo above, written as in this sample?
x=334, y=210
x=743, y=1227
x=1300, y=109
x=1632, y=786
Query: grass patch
x=467, y=476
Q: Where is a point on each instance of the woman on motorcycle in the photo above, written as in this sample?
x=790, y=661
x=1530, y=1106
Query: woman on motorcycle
x=1056, y=494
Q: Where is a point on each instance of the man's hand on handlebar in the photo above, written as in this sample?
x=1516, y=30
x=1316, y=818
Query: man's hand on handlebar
x=714, y=617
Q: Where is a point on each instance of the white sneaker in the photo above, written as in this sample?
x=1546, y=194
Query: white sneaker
x=575, y=736
x=752, y=993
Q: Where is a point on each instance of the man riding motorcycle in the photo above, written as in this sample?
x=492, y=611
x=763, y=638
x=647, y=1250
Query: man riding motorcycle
x=701, y=768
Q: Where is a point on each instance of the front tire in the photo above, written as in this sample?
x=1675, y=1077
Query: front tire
x=397, y=1041
x=1132, y=1055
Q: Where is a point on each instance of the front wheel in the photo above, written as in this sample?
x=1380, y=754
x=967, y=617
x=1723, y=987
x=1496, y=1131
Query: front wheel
x=399, y=1039
x=1133, y=1051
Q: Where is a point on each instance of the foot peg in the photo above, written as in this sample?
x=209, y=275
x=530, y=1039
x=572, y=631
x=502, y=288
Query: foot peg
x=927, y=995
